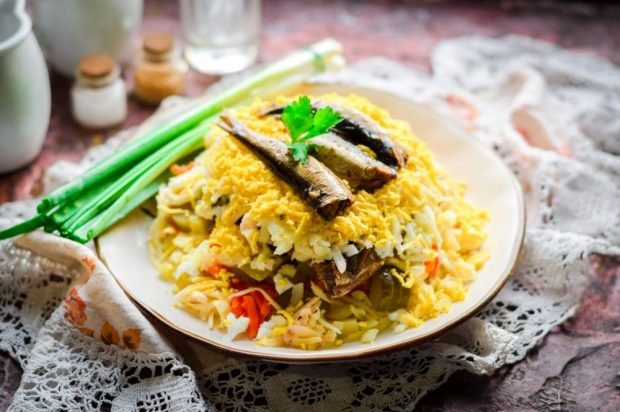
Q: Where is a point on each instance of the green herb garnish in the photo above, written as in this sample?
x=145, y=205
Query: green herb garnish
x=304, y=123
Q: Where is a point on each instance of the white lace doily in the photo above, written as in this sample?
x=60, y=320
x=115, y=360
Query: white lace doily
x=552, y=116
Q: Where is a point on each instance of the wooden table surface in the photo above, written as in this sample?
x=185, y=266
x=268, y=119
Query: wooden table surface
x=577, y=366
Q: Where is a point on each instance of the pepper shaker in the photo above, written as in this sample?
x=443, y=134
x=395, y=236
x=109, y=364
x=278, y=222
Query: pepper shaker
x=159, y=71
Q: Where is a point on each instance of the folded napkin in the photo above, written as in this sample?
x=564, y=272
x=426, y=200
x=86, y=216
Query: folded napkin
x=551, y=115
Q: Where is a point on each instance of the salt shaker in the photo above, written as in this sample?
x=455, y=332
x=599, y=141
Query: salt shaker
x=98, y=96
x=159, y=71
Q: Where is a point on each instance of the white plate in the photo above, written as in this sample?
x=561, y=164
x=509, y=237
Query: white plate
x=490, y=186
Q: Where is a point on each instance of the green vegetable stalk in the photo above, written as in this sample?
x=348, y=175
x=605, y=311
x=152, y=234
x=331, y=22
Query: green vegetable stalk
x=147, y=168
x=290, y=70
x=191, y=142
x=87, y=206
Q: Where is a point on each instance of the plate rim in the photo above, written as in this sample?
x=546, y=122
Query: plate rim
x=315, y=356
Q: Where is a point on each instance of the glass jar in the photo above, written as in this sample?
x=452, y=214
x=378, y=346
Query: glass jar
x=98, y=96
x=159, y=71
x=221, y=36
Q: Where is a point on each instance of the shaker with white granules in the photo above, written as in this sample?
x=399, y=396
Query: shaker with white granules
x=98, y=96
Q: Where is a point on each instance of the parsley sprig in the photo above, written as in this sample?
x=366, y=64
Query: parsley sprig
x=304, y=123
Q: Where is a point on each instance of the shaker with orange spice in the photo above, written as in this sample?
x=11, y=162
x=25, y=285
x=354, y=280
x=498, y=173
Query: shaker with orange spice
x=159, y=71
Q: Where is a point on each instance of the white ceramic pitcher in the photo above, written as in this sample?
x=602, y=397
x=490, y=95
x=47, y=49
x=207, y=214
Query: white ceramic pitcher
x=71, y=29
x=24, y=88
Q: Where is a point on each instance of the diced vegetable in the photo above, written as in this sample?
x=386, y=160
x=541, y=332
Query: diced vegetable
x=249, y=306
x=297, y=293
x=255, y=274
x=369, y=335
x=319, y=292
x=176, y=169
x=281, y=283
x=349, y=326
x=214, y=270
x=386, y=293
x=432, y=265
x=254, y=305
x=339, y=311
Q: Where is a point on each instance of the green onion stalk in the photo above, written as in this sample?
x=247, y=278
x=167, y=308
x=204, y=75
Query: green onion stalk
x=191, y=142
x=87, y=206
x=291, y=69
x=149, y=169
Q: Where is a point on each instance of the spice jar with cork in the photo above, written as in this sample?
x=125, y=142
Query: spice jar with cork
x=98, y=96
x=159, y=71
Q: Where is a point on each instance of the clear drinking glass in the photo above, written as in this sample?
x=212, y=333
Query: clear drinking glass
x=221, y=36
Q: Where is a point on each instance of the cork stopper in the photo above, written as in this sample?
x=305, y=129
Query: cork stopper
x=158, y=43
x=96, y=66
